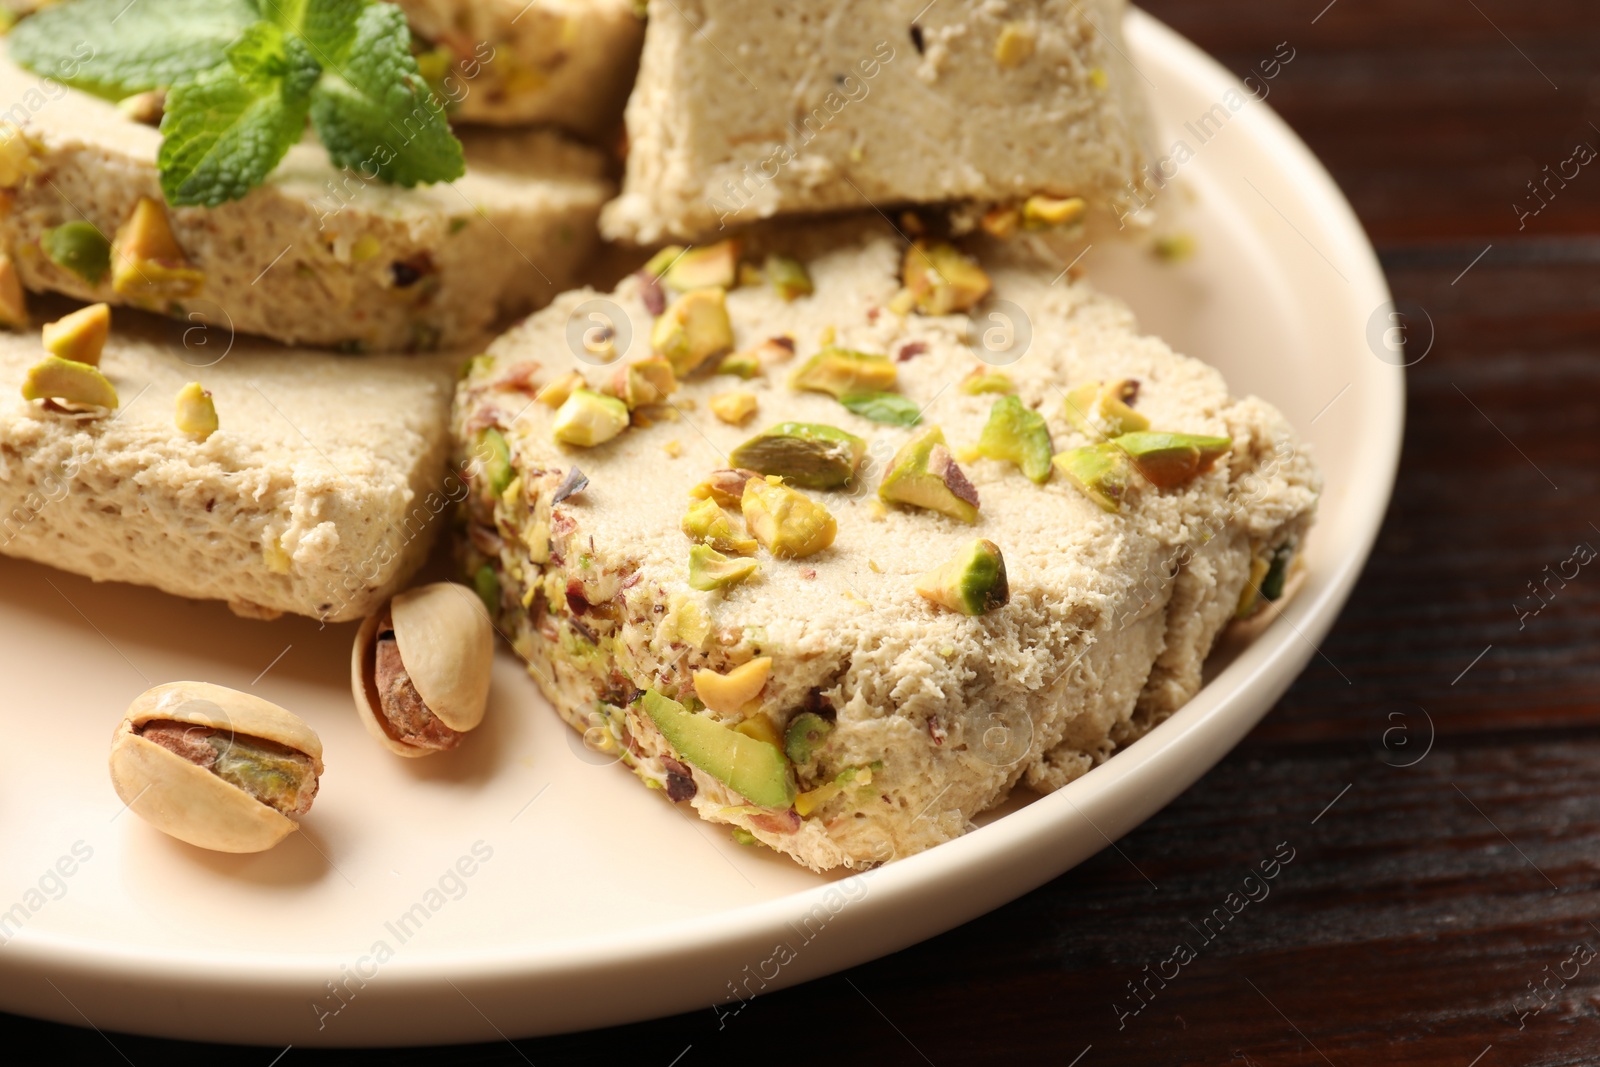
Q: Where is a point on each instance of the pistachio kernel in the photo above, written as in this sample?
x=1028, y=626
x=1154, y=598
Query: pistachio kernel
x=788, y=523
x=587, y=419
x=1047, y=212
x=1170, y=460
x=972, y=583
x=1102, y=472
x=54, y=378
x=734, y=407
x=692, y=329
x=789, y=277
x=80, y=336
x=147, y=262
x=78, y=247
x=13, y=301
x=555, y=393
x=1017, y=434
x=837, y=371
x=196, y=412
x=706, y=523
x=710, y=569
x=924, y=474
x=807, y=454
x=941, y=280
x=1105, y=409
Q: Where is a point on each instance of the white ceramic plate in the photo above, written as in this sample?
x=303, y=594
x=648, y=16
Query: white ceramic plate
x=590, y=902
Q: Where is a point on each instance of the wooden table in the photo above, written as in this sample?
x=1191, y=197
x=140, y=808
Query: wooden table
x=1442, y=903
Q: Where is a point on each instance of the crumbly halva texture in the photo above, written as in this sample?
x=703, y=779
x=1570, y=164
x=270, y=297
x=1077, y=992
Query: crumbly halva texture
x=566, y=62
x=742, y=112
x=923, y=717
x=317, y=255
x=319, y=493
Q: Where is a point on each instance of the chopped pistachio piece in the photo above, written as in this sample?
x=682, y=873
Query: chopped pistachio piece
x=645, y=381
x=789, y=277
x=744, y=365
x=1250, y=596
x=710, y=569
x=1277, y=575
x=80, y=248
x=692, y=329
x=196, y=412
x=924, y=474
x=726, y=487
x=1001, y=221
x=734, y=407
x=1014, y=46
x=588, y=418
x=1045, y=212
x=495, y=455
x=486, y=583
x=80, y=336
x=1174, y=248
x=707, y=523
x=1169, y=460
x=761, y=727
x=806, y=733
x=754, y=769
x=146, y=260
x=982, y=381
x=729, y=693
x=17, y=160
x=657, y=264
x=941, y=280
x=787, y=522
x=54, y=378
x=1101, y=472
x=1105, y=409
x=807, y=454
x=837, y=371
x=555, y=394
x=13, y=301
x=702, y=268
x=973, y=582
x=1017, y=434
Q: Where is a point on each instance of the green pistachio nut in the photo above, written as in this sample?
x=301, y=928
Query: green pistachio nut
x=941, y=280
x=789, y=277
x=1102, y=472
x=706, y=523
x=837, y=371
x=806, y=734
x=1170, y=460
x=54, y=378
x=754, y=769
x=80, y=248
x=1017, y=434
x=693, y=329
x=808, y=454
x=1099, y=410
x=710, y=569
x=786, y=522
x=924, y=474
x=588, y=418
x=973, y=582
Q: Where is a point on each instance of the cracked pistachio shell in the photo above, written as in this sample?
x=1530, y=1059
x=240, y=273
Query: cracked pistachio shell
x=446, y=643
x=187, y=801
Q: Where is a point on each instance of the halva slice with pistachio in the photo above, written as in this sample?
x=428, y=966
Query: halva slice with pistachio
x=222, y=468
x=317, y=255
x=845, y=638
x=743, y=112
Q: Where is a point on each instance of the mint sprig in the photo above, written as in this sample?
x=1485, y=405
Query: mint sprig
x=244, y=76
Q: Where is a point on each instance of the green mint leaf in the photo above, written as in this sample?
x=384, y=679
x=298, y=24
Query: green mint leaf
x=374, y=112
x=113, y=49
x=892, y=409
x=328, y=26
x=264, y=56
x=224, y=132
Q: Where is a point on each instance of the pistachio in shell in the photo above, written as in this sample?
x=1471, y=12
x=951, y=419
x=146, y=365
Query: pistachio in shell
x=215, y=767
x=420, y=669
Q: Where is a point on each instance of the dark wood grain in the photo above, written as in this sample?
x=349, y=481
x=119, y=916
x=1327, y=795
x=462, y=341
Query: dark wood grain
x=1419, y=908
